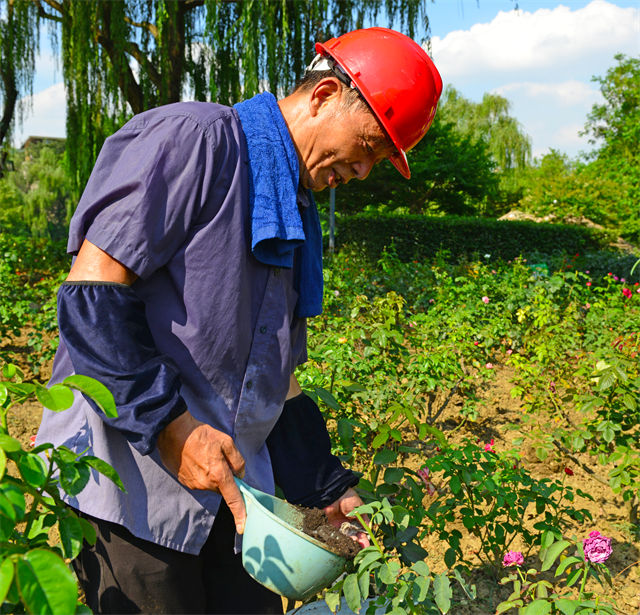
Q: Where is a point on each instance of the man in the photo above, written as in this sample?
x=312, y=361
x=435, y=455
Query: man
x=197, y=260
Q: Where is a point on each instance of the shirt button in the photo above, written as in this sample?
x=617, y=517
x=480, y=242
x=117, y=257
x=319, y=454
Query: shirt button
x=263, y=329
x=249, y=384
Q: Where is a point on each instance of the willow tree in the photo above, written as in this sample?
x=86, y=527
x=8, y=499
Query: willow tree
x=489, y=120
x=18, y=48
x=120, y=58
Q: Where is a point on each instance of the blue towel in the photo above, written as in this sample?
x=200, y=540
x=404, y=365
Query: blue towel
x=278, y=227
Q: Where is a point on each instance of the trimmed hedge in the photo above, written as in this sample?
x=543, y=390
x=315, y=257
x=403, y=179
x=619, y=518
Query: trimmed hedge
x=419, y=237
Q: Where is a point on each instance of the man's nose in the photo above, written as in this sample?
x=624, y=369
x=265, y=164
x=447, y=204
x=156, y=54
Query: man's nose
x=363, y=168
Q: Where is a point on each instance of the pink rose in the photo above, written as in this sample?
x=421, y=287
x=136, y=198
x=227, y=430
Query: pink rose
x=627, y=292
x=485, y=299
x=597, y=548
x=512, y=558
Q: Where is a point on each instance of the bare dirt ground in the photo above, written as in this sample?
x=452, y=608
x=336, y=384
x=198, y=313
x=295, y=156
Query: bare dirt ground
x=499, y=410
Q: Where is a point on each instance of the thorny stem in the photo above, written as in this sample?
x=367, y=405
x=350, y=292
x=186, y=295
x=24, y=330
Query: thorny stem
x=369, y=531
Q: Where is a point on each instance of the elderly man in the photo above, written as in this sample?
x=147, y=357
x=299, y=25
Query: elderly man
x=198, y=257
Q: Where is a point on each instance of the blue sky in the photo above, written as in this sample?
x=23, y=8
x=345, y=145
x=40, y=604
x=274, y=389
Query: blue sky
x=541, y=57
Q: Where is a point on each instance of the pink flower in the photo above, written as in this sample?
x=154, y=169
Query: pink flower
x=488, y=448
x=597, y=548
x=509, y=351
x=512, y=558
x=489, y=365
x=424, y=473
x=588, y=283
x=32, y=440
x=587, y=305
x=627, y=293
x=476, y=343
x=568, y=471
x=485, y=299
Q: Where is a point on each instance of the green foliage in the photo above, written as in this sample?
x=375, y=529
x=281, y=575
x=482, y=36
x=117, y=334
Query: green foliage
x=556, y=595
x=419, y=237
x=451, y=173
x=494, y=495
x=121, y=57
x=489, y=120
x=35, y=197
x=605, y=185
x=19, y=42
x=33, y=574
x=30, y=271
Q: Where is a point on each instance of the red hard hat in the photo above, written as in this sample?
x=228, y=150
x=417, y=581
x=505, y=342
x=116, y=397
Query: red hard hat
x=397, y=79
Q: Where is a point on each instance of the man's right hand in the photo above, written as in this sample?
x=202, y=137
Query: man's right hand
x=202, y=457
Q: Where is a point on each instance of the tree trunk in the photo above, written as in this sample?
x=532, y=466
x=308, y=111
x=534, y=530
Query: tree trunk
x=8, y=76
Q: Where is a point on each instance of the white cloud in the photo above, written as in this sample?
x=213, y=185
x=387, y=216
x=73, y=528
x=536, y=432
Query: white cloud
x=542, y=62
x=45, y=115
x=547, y=39
x=567, y=94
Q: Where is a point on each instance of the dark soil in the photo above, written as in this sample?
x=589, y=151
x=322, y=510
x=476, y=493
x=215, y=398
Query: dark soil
x=317, y=525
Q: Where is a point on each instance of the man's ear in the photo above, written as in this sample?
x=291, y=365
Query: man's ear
x=326, y=94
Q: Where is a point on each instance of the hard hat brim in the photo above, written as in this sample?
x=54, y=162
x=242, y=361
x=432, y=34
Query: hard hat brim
x=399, y=160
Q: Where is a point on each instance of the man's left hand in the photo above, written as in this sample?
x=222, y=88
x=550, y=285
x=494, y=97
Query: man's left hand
x=338, y=511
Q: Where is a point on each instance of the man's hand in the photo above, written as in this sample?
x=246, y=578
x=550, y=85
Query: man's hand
x=337, y=513
x=202, y=457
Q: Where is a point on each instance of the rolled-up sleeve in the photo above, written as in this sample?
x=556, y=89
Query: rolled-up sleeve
x=146, y=191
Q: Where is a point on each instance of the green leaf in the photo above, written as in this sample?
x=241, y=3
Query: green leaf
x=422, y=586
x=454, y=484
x=104, y=468
x=573, y=577
x=9, y=444
x=538, y=607
x=6, y=578
x=412, y=552
x=45, y=583
x=380, y=439
x=443, y=593
x=565, y=563
x=57, y=397
x=74, y=477
x=450, y=557
x=435, y=433
x=345, y=433
x=3, y=397
x=33, y=469
x=12, y=503
x=95, y=390
x=388, y=573
x=385, y=457
x=553, y=553
x=363, y=585
x=327, y=398
x=3, y=463
x=503, y=607
x=351, y=592
x=393, y=475
x=88, y=531
x=71, y=535
x=332, y=600
x=366, y=557
x=565, y=606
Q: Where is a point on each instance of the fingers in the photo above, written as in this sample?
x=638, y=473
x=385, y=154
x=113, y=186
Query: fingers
x=232, y=496
x=233, y=457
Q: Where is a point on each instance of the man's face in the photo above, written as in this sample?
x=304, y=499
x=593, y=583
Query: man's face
x=348, y=143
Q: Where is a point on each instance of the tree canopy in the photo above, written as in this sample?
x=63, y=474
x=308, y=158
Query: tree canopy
x=122, y=57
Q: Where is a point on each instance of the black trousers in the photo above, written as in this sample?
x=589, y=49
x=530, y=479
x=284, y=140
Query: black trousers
x=124, y=574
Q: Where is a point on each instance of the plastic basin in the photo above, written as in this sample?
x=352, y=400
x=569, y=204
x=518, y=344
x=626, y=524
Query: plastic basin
x=278, y=554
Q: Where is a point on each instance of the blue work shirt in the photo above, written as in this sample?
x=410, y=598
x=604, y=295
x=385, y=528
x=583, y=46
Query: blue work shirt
x=168, y=198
